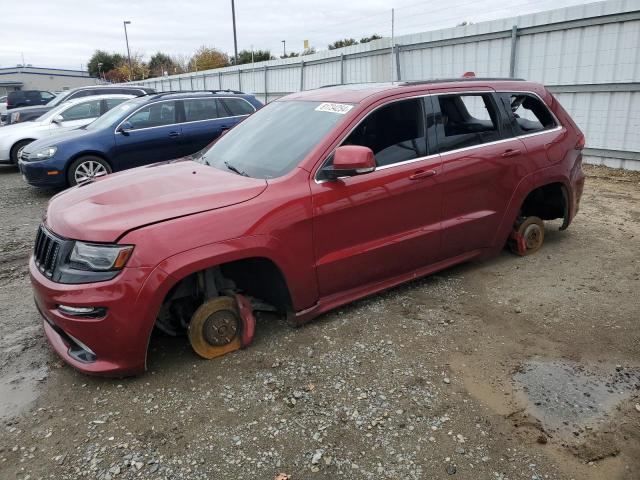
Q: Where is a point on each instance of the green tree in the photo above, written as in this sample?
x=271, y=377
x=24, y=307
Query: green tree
x=290, y=55
x=109, y=61
x=244, y=56
x=345, y=42
x=375, y=36
x=160, y=63
x=308, y=51
x=207, y=58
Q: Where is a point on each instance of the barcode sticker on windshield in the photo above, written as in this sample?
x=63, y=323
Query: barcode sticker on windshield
x=340, y=108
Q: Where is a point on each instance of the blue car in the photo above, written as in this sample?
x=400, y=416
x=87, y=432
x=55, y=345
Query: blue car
x=144, y=130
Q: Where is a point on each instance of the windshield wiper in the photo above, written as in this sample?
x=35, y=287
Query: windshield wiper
x=235, y=169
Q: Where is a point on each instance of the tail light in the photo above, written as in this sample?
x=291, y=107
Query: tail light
x=581, y=142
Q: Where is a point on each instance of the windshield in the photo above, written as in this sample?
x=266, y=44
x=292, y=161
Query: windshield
x=275, y=139
x=114, y=115
x=59, y=98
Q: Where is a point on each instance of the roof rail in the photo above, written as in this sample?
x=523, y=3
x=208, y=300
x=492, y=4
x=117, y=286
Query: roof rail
x=463, y=79
x=173, y=92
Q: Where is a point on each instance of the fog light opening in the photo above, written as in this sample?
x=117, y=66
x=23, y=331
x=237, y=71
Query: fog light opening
x=92, y=312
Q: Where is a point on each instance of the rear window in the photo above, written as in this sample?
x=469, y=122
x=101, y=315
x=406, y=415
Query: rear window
x=237, y=106
x=530, y=113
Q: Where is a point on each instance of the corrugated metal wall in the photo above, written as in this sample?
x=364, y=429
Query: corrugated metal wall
x=588, y=56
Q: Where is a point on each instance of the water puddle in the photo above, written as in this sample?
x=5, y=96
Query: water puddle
x=568, y=397
x=18, y=391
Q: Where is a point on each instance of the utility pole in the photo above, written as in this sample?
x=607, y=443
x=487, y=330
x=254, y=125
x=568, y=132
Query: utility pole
x=284, y=48
x=235, y=38
x=392, y=41
x=126, y=38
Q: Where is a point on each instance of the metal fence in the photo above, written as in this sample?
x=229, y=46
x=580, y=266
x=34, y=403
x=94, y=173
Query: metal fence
x=587, y=55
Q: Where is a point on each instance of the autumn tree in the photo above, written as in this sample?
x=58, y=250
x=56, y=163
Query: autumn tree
x=160, y=63
x=207, y=58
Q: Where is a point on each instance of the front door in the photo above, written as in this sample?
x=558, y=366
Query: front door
x=386, y=223
x=154, y=136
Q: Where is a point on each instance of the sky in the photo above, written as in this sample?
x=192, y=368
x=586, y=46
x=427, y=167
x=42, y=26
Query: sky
x=65, y=33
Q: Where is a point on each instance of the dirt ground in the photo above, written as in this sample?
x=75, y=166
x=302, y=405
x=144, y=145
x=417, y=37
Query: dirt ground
x=513, y=368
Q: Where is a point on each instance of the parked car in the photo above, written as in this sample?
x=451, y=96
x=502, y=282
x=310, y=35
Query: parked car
x=28, y=98
x=31, y=113
x=3, y=109
x=69, y=115
x=141, y=131
x=318, y=199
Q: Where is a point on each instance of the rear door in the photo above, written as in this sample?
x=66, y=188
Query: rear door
x=482, y=162
x=375, y=226
x=204, y=120
x=155, y=136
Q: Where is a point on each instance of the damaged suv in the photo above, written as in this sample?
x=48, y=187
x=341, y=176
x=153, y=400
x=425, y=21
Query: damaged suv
x=320, y=198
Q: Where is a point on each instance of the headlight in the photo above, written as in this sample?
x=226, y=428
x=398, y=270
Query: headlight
x=99, y=258
x=42, y=154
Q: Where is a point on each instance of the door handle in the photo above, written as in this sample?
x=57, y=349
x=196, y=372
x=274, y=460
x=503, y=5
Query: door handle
x=174, y=134
x=512, y=152
x=422, y=174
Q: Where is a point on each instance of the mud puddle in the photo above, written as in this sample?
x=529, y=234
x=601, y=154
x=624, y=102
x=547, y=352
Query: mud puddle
x=18, y=391
x=570, y=398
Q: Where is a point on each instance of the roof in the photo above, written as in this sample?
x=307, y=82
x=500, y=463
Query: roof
x=357, y=92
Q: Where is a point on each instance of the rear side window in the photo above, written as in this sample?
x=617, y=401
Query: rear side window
x=395, y=132
x=113, y=102
x=154, y=115
x=201, y=109
x=466, y=120
x=33, y=96
x=237, y=106
x=530, y=113
x=82, y=111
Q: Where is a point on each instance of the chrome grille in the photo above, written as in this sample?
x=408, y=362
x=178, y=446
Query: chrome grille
x=45, y=252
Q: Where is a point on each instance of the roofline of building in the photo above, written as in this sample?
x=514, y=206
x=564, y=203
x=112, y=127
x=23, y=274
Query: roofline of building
x=43, y=68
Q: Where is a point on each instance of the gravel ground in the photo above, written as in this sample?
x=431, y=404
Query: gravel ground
x=513, y=368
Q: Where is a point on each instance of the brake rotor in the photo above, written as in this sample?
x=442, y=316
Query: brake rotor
x=531, y=231
x=215, y=328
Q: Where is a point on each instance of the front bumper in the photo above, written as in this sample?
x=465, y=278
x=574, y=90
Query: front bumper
x=120, y=338
x=46, y=173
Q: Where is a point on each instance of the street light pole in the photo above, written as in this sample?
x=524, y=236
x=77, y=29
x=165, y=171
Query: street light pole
x=235, y=38
x=126, y=37
x=284, y=48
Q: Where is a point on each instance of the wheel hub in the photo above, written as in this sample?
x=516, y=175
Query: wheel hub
x=220, y=328
x=89, y=170
x=532, y=236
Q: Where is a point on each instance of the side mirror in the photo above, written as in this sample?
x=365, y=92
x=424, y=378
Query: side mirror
x=58, y=119
x=125, y=128
x=350, y=160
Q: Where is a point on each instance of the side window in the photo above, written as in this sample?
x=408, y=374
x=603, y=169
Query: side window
x=154, y=115
x=467, y=120
x=201, y=109
x=237, y=106
x=47, y=96
x=82, y=111
x=531, y=115
x=114, y=102
x=395, y=132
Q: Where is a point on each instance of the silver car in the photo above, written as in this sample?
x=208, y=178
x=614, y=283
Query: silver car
x=69, y=115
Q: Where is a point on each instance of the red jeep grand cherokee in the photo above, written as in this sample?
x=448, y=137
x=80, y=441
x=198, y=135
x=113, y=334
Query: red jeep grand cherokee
x=318, y=199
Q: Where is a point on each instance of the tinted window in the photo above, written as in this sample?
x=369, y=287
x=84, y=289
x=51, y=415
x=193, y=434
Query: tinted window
x=201, y=109
x=154, y=115
x=394, y=132
x=82, y=111
x=530, y=114
x=112, y=102
x=237, y=106
x=274, y=140
x=466, y=120
x=33, y=96
x=47, y=96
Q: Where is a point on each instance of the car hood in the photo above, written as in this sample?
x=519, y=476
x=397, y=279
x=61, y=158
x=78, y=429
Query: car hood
x=61, y=134
x=106, y=209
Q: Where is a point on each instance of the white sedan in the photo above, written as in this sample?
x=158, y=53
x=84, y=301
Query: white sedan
x=69, y=115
